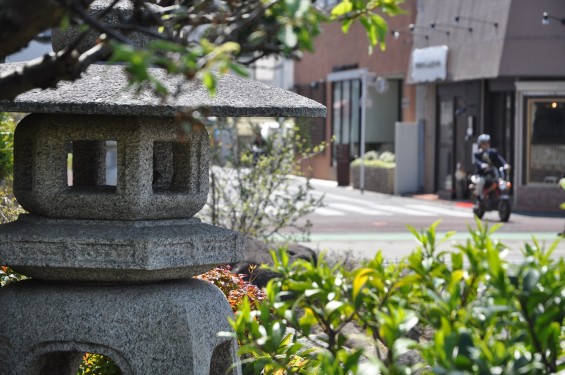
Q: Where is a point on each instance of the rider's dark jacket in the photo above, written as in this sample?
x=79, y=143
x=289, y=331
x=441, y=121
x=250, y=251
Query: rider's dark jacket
x=489, y=156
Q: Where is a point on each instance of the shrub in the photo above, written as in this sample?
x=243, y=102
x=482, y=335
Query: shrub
x=96, y=364
x=9, y=211
x=387, y=157
x=235, y=288
x=484, y=315
x=255, y=196
x=7, y=127
x=373, y=159
x=371, y=155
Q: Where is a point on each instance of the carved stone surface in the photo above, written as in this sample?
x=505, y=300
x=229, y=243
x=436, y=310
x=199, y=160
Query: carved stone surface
x=159, y=176
x=103, y=89
x=159, y=328
x=111, y=250
x=121, y=10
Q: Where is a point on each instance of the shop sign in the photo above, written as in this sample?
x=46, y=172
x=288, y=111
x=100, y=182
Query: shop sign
x=429, y=64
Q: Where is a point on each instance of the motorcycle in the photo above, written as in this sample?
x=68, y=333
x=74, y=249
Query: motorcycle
x=495, y=196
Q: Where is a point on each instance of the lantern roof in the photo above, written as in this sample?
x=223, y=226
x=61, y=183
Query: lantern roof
x=105, y=90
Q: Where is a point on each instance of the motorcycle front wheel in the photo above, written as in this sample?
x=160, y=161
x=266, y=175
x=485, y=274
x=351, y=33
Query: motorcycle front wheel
x=504, y=210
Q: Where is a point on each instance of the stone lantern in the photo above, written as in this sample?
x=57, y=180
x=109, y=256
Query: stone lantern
x=111, y=263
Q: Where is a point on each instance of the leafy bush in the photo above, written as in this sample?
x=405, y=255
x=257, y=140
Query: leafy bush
x=375, y=160
x=255, y=196
x=7, y=127
x=96, y=364
x=387, y=157
x=371, y=155
x=482, y=314
x=9, y=211
x=233, y=286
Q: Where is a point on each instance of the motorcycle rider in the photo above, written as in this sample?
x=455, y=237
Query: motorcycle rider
x=486, y=161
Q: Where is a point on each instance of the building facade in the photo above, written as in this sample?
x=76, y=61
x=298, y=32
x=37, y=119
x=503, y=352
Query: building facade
x=336, y=75
x=497, y=67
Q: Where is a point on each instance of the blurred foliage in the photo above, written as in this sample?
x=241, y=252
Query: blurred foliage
x=7, y=127
x=255, y=193
x=199, y=39
x=373, y=159
x=464, y=310
x=9, y=211
x=96, y=364
x=233, y=286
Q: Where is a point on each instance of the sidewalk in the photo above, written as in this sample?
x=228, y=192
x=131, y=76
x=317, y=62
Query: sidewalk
x=395, y=246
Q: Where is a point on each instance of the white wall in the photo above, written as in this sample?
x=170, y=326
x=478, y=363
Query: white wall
x=409, y=157
x=382, y=114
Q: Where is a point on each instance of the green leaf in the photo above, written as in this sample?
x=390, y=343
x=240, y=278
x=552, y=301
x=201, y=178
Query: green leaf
x=408, y=322
x=307, y=320
x=370, y=29
x=288, y=37
x=209, y=81
x=305, y=39
x=531, y=279
x=297, y=8
x=457, y=260
x=342, y=8
x=239, y=69
x=332, y=306
x=360, y=280
x=346, y=24
x=401, y=346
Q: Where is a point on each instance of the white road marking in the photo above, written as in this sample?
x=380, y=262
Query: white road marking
x=323, y=211
x=357, y=209
x=403, y=210
x=441, y=211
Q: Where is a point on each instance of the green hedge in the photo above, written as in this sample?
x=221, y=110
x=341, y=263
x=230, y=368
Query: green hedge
x=465, y=310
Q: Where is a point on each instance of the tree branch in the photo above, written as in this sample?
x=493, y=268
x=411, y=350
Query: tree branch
x=46, y=72
x=21, y=21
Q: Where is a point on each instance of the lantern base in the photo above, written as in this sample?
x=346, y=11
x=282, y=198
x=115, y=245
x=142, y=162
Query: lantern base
x=168, y=328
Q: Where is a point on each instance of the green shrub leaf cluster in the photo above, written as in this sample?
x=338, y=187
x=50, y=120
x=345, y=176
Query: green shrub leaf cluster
x=465, y=310
x=254, y=195
x=7, y=127
x=373, y=159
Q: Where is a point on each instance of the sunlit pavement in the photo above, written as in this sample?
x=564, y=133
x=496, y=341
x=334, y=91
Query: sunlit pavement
x=361, y=224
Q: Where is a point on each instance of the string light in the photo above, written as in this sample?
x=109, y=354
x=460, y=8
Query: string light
x=434, y=26
x=546, y=17
x=459, y=18
x=397, y=33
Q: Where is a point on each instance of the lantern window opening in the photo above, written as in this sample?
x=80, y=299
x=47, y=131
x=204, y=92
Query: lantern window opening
x=92, y=165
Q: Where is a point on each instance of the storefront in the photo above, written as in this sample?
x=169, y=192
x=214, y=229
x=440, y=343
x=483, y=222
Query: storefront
x=505, y=76
x=540, y=108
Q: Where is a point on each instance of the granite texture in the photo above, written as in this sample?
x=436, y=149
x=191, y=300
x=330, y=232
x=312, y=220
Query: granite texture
x=121, y=10
x=257, y=253
x=160, y=328
x=159, y=176
x=116, y=251
x=103, y=89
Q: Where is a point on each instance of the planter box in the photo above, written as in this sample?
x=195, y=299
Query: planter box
x=380, y=180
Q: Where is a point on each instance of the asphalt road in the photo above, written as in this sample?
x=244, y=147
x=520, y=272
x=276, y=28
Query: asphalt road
x=357, y=225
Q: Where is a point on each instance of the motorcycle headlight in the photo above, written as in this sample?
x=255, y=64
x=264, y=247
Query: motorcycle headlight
x=502, y=186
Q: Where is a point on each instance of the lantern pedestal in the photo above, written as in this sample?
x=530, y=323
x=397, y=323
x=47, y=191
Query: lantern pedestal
x=169, y=327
